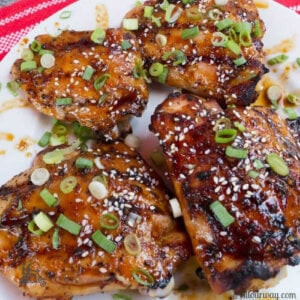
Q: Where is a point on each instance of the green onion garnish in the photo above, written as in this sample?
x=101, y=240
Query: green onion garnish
x=235, y=152
x=214, y=14
x=98, y=36
x=20, y=205
x=48, y=198
x=119, y=296
x=257, y=31
x=190, y=33
x=126, y=45
x=293, y=99
x=156, y=21
x=193, y=13
x=298, y=61
x=45, y=139
x=148, y=11
x=233, y=47
x=45, y=51
x=55, y=239
x=28, y=65
x=239, y=126
x=132, y=244
x=161, y=40
x=291, y=113
x=163, y=76
x=131, y=24
x=42, y=221
x=223, y=24
x=68, y=184
x=143, y=277
x=27, y=54
x=60, y=129
x=35, y=46
x=102, y=99
x=102, y=241
x=253, y=174
x=245, y=38
x=164, y=5
x=109, y=221
x=88, y=73
x=178, y=56
x=278, y=59
x=13, y=87
x=68, y=225
x=221, y=213
x=258, y=164
x=171, y=16
x=219, y=39
x=138, y=70
x=225, y=135
x=31, y=228
x=240, y=61
x=83, y=163
x=156, y=69
x=53, y=157
x=66, y=14
x=100, y=81
x=57, y=140
x=63, y=101
x=242, y=27
x=277, y=164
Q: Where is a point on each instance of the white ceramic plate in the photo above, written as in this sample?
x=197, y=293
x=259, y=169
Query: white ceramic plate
x=24, y=124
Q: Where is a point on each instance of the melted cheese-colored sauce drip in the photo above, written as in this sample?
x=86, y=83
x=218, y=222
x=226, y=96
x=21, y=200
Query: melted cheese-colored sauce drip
x=24, y=143
x=2, y=152
x=261, y=4
x=6, y=136
x=15, y=103
x=284, y=46
x=102, y=16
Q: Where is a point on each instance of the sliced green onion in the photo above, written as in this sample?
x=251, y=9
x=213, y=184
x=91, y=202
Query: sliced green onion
x=143, y=277
x=239, y=126
x=45, y=139
x=82, y=132
x=187, y=1
x=126, y=45
x=43, y=222
x=277, y=164
x=31, y=228
x=193, y=13
x=225, y=135
x=221, y=213
x=63, y=101
x=156, y=21
x=293, y=99
x=258, y=164
x=138, y=70
x=219, y=39
x=102, y=241
x=222, y=123
x=138, y=3
x=257, y=31
x=68, y=184
x=233, y=47
x=101, y=178
x=48, y=198
x=83, y=163
x=278, y=59
x=245, y=38
x=291, y=113
x=236, y=153
x=274, y=93
x=60, y=129
x=163, y=76
x=56, y=239
x=164, y=5
x=27, y=54
x=161, y=40
x=190, y=33
x=156, y=69
x=20, y=205
x=253, y=174
x=131, y=24
x=68, y=225
x=214, y=14
x=109, y=221
x=100, y=81
x=172, y=16
x=242, y=27
x=53, y=157
x=148, y=11
x=45, y=51
x=232, y=34
x=47, y=60
x=66, y=14
x=28, y=65
x=223, y=24
x=13, y=87
x=98, y=36
x=102, y=99
x=298, y=61
x=88, y=73
x=35, y=46
x=57, y=140
x=240, y=61
x=132, y=244
x=119, y=296
x=178, y=55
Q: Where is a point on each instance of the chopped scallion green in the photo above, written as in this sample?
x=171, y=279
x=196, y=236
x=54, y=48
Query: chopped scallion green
x=156, y=69
x=258, y=164
x=27, y=54
x=225, y=135
x=98, y=36
x=143, y=277
x=190, y=33
x=100, y=81
x=223, y=24
x=13, y=87
x=233, y=47
x=298, y=61
x=278, y=59
x=239, y=126
x=277, y=164
x=221, y=213
x=253, y=174
x=291, y=113
x=28, y=65
x=102, y=241
x=88, y=73
x=56, y=239
x=45, y=139
x=35, y=46
x=257, y=31
x=66, y=14
x=240, y=61
x=68, y=184
x=43, y=222
x=236, y=153
x=48, y=198
x=68, y=225
x=178, y=57
x=109, y=221
x=63, y=101
x=219, y=39
x=126, y=45
x=131, y=24
x=32, y=228
x=293, y=99
x=83, y=163
x=163, y=76
x=148, y=11
x=119, y=296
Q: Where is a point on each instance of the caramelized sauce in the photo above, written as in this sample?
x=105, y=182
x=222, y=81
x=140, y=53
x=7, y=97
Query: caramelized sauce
x=15, y=103
x=284, y=46
x=24, y=143
x=101, y=16
x=24, y=41
x=286, y=103
x=284, y=77
x=261, y=4
x=2, y=152
x=6, y=136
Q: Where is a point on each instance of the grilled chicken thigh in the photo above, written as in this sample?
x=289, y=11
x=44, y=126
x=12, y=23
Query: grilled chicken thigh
x=236, y=174
x=94, y=83
x=213, y=51
x=110, y=225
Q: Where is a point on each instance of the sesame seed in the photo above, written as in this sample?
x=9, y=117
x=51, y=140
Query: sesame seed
x=103, y=270
x=85, y=254
x=256, y=239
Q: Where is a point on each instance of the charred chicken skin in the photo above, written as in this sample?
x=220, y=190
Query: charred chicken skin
x=94, y=83
x=110, y=225
x=212, y=51
x=236, y=175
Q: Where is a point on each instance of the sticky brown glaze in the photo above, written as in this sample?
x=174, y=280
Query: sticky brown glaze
x=265, y=233
x=209, y=71
x=79, y=266
x=74, y=51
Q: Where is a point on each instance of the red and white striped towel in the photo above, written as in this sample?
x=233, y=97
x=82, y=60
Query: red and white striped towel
x=19, y=18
